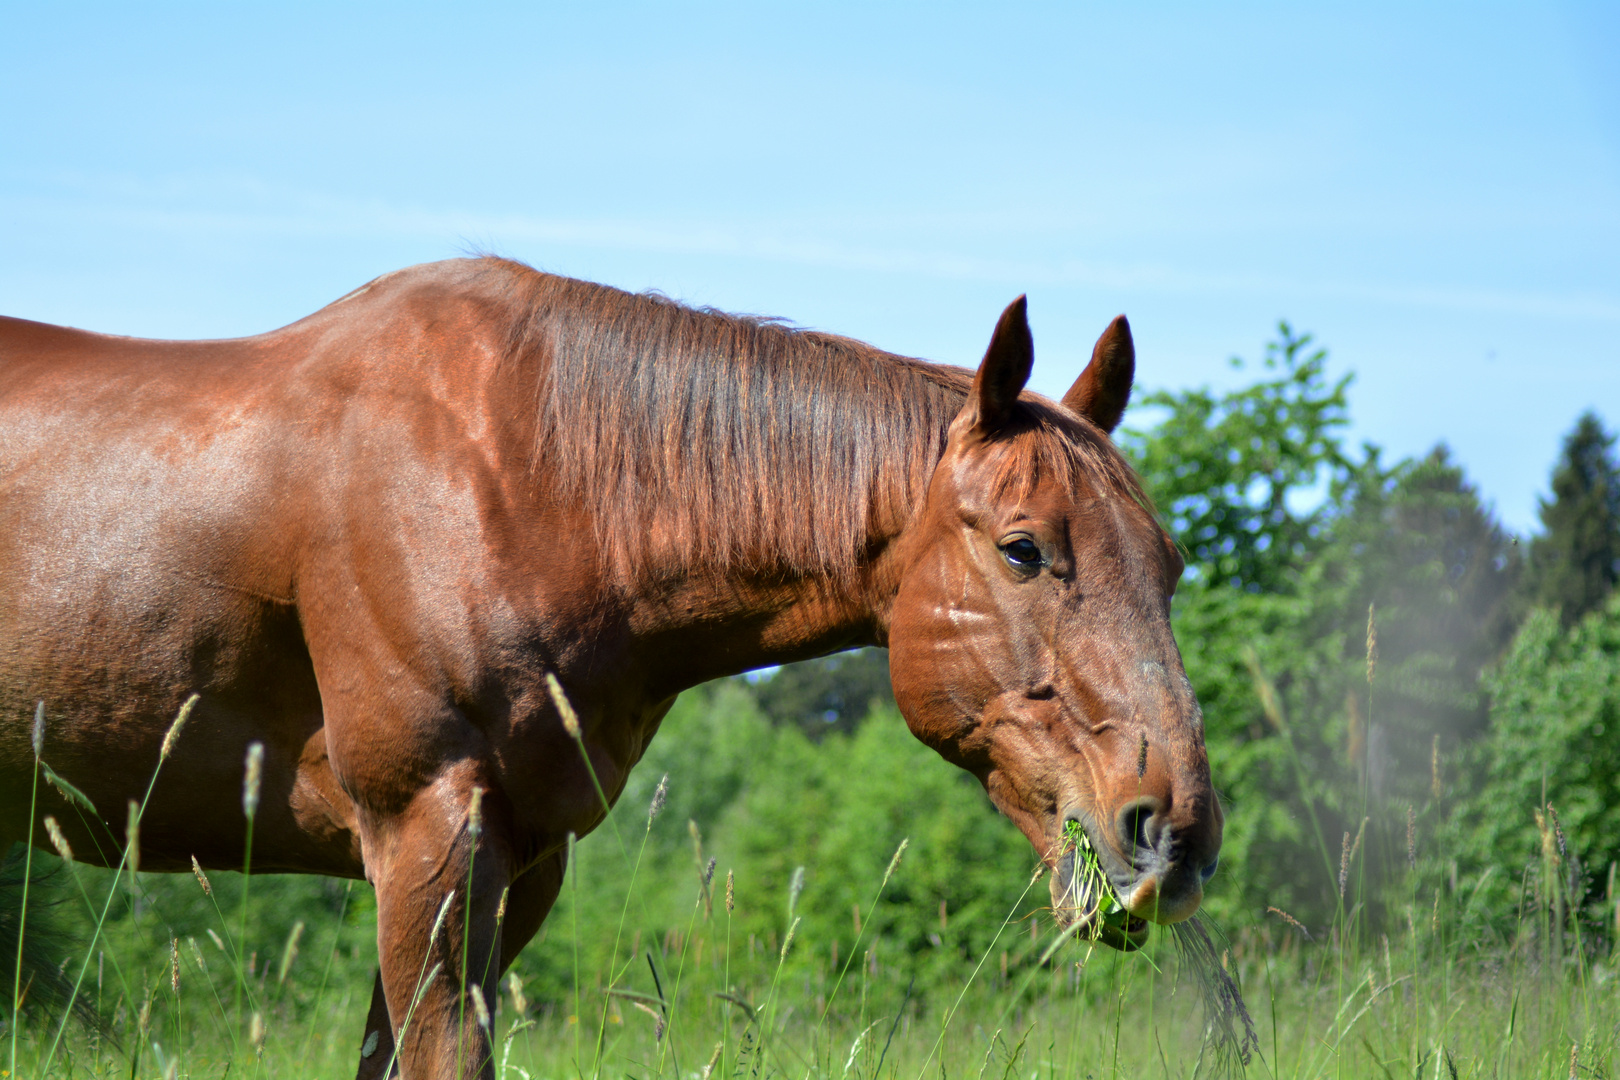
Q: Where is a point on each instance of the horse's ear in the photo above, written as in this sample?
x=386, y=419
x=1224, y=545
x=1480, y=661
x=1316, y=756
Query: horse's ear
x=1004, y=369
x=1103, y=389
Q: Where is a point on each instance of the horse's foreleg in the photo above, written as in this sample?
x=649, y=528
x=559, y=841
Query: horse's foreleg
x=528, y=902
x=377, y=1049
x=433, y=934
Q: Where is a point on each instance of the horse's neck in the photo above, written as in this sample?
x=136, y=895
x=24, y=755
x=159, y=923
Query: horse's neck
x=707, y=628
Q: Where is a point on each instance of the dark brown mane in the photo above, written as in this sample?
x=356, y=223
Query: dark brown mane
x=704, y=439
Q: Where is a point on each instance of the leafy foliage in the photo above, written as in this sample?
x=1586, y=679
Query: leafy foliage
x=1229, y=470
x=1554, y=740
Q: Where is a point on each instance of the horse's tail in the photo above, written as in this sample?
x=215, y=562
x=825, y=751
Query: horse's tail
x=44, y=989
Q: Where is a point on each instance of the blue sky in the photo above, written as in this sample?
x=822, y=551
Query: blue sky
x=1434, y=191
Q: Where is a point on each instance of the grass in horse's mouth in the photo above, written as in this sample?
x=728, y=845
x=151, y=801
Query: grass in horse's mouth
x=1091, y=894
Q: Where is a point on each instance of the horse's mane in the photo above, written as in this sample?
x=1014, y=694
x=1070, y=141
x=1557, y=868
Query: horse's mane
x=698, y=438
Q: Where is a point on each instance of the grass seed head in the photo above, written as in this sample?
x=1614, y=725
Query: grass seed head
x=565, y=708
x=894, y=863
x=172, y=736
x=514, y=986
x=475, y=813
x=202, y=878
x=660, y=796
x=731, y=892
x=714, y=1059
x=438, y=921
x=37, y=736
x=58, y=839
x=1289, y=919
x=252, y=779
x=480, y=1008
x=174, y=965
x=795, y=887
x=1372, y=643
x=132, y=837
x=1435, y=787
x=289, y=953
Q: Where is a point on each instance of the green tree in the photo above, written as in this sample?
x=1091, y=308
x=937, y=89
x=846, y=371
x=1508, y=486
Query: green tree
x=1575, y=563
x=1418, y=543
x=833, y=693
x=1233, y=472
x=1241, y=478
x=1554, y=738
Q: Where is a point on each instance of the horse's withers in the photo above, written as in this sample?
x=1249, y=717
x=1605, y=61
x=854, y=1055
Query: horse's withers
x=1030, y=640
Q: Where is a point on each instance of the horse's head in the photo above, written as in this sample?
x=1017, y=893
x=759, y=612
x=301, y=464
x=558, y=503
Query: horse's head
x=1030, y=641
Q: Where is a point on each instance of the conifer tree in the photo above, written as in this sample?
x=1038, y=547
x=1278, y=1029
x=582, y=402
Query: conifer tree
x=1575, y=563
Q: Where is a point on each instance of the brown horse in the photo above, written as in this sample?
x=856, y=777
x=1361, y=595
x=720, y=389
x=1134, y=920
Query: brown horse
x=370, y=540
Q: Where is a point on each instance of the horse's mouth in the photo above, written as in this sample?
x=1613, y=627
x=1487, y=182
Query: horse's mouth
x=1083, y=894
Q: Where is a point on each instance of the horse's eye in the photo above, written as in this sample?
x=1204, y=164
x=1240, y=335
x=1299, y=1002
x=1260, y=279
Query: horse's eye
x=1023, y=553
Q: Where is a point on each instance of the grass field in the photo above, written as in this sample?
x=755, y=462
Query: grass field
x=694, y=998
x=877, y=962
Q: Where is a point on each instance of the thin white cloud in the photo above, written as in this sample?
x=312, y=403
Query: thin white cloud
x=119, y=205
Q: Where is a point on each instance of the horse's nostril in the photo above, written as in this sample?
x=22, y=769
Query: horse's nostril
x=1136, y=827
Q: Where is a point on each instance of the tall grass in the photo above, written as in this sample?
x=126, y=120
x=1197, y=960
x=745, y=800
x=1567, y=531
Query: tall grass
x=1430, y=992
